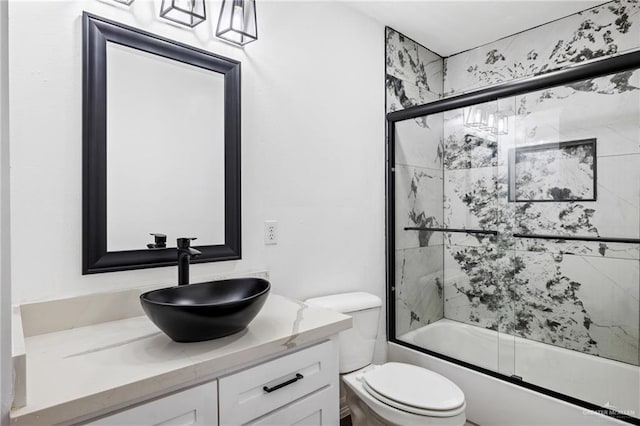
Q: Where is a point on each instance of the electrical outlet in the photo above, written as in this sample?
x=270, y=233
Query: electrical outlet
x=270, y=232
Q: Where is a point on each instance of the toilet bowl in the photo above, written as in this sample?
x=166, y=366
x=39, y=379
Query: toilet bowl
x=437, y=401
x=393, y=393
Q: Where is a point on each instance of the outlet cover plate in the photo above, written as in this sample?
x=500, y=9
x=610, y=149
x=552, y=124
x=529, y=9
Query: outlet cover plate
x=270, y=232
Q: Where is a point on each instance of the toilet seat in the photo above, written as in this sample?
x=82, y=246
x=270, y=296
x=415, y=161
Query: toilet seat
x=414, y=389
x=391, y=411
x=411, y=409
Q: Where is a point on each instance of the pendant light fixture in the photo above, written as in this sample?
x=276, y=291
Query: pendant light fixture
x=237, y=23
x=184, y=12
x=480, y=117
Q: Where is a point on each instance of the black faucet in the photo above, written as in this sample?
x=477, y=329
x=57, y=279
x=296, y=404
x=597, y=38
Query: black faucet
x=185, y=253
x=160, y=241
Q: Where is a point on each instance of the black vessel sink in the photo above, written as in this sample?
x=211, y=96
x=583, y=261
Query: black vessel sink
x=205, y=311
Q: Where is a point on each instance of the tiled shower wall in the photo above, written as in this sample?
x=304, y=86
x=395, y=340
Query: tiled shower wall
x=581, y=296
x=598, y=32
x=414, y=77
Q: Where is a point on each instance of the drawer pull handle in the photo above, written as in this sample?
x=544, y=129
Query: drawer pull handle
x=268, y=389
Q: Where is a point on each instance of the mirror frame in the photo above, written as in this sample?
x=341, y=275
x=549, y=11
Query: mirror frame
x=97, y=32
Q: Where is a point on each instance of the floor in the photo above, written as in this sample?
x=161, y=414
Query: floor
x=346, y=421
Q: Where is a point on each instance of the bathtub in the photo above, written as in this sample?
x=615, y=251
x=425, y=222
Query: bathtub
x=590, y=378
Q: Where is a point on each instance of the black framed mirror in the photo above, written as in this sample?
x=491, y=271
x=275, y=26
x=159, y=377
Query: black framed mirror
x=161, y=149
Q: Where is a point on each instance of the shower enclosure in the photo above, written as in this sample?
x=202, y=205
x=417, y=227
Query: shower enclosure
x=514, y=232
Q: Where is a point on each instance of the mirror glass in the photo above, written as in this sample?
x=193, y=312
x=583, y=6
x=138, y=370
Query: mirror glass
x=160, y=149
x=165, y=150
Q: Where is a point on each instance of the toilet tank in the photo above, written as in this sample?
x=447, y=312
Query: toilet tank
x=358, y=343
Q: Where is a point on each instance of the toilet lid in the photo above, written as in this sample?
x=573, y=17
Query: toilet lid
x=414, y=410
x=414, y=386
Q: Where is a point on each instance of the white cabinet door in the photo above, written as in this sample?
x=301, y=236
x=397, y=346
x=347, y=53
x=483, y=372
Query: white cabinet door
x=194, y=406
x=314, y=410
x=249, y=394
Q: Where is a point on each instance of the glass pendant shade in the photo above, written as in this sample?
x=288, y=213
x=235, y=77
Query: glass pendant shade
x=477, y=116
x=237, y=23
x=184, y=12
x=503, y=126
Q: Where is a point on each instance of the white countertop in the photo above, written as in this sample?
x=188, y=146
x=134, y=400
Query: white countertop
x=79, y=372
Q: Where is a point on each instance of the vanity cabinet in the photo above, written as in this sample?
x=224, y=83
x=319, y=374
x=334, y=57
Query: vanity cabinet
x=194, y=406
x=298, y=388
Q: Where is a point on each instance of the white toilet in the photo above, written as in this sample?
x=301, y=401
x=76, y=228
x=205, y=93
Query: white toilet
x=393, y=393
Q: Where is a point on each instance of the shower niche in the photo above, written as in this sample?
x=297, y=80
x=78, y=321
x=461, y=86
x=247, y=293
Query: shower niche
x=514, y=232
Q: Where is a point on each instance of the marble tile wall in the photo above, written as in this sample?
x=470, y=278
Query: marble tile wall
x=414, y=74
x=577, y=295
x=591, y=299
x=419, y=203
x=413, y=77
x=608, y=110
x=564, y=293
x=608, y=29
x=471, y=291
x=419, y=287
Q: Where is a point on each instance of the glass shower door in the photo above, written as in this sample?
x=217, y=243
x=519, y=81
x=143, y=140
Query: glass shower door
x=447, y=296
x=472, y=292
x=517, y=234
x=574, y=183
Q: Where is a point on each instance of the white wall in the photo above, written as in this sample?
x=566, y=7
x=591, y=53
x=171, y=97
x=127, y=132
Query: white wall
x=6, y=376
x=312, y=147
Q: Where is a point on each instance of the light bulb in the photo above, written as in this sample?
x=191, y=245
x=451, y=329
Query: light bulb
x=237, y=22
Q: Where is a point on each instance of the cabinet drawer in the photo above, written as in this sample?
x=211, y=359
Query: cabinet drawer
x=317, y=409
x=243, y=396
x=195, y=406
